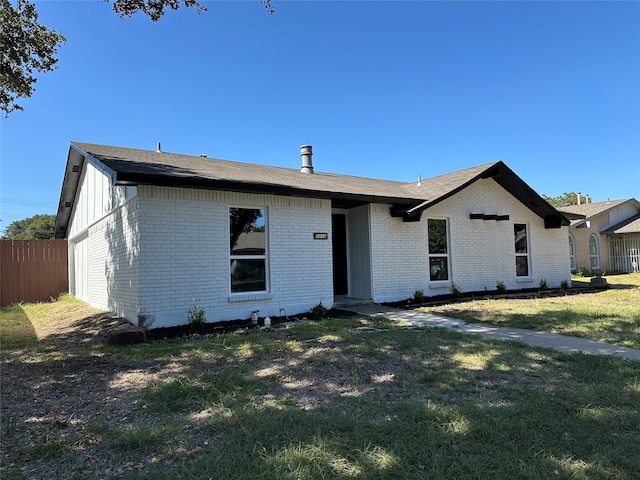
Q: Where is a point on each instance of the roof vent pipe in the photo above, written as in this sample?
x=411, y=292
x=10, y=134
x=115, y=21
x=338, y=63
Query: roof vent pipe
x=159, y=150
x=307, y=163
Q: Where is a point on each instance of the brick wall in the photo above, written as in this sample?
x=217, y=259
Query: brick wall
x=185, y=254
x=482, y=251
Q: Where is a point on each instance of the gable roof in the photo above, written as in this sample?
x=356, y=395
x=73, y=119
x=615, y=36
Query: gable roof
x=630, y=225
x=580, y=215
x=127, y=166
x=589, y=210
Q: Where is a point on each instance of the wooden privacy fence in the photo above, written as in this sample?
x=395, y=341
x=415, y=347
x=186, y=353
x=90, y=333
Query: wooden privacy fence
x=32, y=270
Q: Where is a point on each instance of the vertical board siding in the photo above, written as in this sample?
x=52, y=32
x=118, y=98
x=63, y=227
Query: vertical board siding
x=32, y=270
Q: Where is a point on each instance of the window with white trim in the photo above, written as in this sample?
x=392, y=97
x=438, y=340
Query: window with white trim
x=521, y=242
x=594, y=252
x=248, y=250
x=438, y=249
x=572, y=253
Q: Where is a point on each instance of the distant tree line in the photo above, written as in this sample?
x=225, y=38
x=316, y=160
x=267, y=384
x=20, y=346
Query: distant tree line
x=567, y=198
x=38, y=227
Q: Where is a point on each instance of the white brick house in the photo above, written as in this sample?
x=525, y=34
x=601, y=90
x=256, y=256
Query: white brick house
x=149, y=231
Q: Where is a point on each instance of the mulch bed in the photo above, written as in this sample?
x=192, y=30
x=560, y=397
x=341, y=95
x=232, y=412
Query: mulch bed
x=217, y=328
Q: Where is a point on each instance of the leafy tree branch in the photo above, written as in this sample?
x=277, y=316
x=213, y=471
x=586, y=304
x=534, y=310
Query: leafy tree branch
x=27, y=46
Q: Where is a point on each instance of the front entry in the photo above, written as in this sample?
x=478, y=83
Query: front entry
x=339, y=239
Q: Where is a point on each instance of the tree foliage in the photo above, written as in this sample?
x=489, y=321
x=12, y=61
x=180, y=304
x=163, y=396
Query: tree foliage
x=27, y=46
x=567, y=198
x=38, y=227
x=155, y=9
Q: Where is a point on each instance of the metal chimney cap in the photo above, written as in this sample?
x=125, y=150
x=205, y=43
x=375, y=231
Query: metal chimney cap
x=307, y=163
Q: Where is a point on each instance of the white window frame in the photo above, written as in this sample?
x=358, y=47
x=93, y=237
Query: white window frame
x=527, y=254
x=572, y=254
x=264, y=257
x=446, y=255
x=595, y=256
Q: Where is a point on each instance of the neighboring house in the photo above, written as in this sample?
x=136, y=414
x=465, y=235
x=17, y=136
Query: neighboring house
x=604, y=236
x=149, y=231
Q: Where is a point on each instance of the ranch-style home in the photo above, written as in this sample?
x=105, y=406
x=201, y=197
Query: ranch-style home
x=149, y=231
x=604, y=236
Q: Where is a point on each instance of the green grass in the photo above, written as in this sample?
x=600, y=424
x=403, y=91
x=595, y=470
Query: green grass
x=422, y=404
x=347, y=399
x=611, y=316
x=23, y=325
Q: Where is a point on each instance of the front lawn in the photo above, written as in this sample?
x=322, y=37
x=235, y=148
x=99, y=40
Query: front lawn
x=611, y=316
x=340, y=398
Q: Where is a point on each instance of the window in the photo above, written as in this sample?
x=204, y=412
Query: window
x=522, y=249
x=594, y=252
x=572, y=253
x=438, y=250
x=248, y=247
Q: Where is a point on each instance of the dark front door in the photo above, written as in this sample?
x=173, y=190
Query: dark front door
x=339, y=239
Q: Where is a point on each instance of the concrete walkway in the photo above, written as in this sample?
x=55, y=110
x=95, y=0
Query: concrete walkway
x=561, y=343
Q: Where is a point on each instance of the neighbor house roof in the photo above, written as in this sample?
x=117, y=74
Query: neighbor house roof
x=580, y=215
x=592, y=209
x=127, y=166
x=630, y=225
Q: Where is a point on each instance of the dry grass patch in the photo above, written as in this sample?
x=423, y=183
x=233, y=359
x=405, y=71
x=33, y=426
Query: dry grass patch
x=611, y=316
x=339, y=398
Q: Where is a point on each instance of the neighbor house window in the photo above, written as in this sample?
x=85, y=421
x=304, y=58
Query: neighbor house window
x=521, y=241
x=594, y=252
x=438, y=249
x=572, y=253
x=248, y=242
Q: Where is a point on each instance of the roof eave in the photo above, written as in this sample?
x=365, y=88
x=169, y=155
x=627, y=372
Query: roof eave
x=123, y=178
x=72, y=174
x=76, y=160
x=508, y=180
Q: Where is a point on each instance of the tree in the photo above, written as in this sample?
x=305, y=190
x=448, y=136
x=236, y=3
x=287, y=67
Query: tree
x=28, y=46
x=38, y=227
x=567, y=198
x=154, y=9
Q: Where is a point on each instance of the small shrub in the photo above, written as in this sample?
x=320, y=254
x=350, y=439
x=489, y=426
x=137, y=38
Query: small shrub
x=455, y=290
x=418, y=296
x=196, y=315
x=564, y=284
x=585, y=272
x=543, y=284
x=320, y=310
x=501, y=287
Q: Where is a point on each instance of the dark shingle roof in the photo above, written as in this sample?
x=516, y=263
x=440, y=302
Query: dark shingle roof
x=129, y=166
x=149, y=167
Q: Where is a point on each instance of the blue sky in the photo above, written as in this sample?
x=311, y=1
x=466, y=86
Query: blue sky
x=380, y=89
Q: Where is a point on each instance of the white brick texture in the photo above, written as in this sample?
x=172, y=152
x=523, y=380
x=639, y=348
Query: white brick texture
x=482, y=252
x=185, y=254
x=157, y=251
